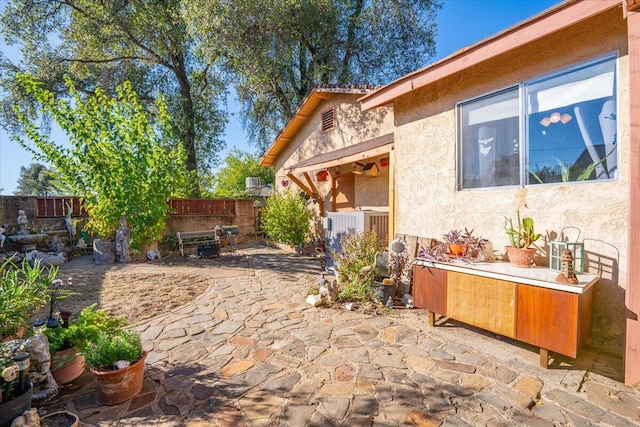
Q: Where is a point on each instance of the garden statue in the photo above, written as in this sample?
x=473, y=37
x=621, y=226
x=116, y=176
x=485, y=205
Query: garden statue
x=2, y=236
x=123, y=235
x=71, y=224
x=22, y=222
x=44, y=385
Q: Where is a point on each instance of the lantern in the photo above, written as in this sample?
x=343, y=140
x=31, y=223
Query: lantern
x=555, y=253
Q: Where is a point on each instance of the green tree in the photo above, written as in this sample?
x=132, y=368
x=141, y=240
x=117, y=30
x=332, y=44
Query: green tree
x=118, y=161
x=230, y=180
x=104, y=43
x=277, y=50
x=286, y=218
x=36, y=180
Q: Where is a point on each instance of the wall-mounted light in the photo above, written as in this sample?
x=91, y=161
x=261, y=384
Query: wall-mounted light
x=556, y=117
x=371, y=169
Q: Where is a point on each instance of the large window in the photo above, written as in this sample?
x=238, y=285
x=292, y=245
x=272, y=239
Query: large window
x=567, y=122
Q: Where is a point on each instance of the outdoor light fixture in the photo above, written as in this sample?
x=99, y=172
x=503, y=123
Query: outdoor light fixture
x=371, y=169
x=556, y=117
x=356, y=167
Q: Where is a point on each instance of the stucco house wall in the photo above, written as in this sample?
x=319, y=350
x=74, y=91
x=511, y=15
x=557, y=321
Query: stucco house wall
x=428, y=203
x=352, y=126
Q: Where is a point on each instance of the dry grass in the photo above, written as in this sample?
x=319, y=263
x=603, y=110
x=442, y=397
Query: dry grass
x=141, y=290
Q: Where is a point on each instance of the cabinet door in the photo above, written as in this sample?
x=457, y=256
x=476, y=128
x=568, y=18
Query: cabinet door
x=483, y=302
x=430, y=289
x=554, y=320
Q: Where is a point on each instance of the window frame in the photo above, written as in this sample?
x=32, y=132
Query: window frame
x=523, y=124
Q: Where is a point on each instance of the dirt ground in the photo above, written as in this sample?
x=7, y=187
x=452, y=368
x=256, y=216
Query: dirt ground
x=143, y=289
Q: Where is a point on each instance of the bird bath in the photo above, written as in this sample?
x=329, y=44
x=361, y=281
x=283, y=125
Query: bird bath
x=27, y=242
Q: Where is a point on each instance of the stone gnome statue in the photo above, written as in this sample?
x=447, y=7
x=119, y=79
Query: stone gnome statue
x=123, y=236
x=22, y=221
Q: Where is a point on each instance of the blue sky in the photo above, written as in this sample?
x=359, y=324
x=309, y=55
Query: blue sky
x=460, y=23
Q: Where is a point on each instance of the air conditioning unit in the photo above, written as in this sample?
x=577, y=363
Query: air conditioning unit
x=253, y=182
x=340, y=223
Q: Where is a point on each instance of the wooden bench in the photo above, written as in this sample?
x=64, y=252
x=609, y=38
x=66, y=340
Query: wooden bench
x=187, y=238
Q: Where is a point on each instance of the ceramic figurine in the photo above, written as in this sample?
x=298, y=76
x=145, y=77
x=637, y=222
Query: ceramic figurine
x=567, y=274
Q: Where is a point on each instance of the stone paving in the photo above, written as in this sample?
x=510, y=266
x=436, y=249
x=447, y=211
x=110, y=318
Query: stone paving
x=251, y=352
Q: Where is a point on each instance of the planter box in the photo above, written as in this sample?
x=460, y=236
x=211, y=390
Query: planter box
x=209, y=250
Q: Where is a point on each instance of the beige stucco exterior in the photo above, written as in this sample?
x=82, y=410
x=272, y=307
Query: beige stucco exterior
x=352, y=126
x=428, y=203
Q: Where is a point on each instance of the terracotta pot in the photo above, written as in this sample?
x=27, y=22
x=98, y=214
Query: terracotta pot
x=520, y=257
x=67, y=365
x=456, y=249
x=121, y=385
x=15, y=407
x=60, y=419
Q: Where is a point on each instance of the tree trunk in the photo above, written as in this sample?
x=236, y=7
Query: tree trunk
x=188, y=131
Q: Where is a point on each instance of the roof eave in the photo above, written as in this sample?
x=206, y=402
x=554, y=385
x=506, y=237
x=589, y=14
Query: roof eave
x=307, y=106
x=541, y=25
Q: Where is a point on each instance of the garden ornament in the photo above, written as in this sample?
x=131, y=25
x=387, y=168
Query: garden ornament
x=22, y=222
x=123, y=236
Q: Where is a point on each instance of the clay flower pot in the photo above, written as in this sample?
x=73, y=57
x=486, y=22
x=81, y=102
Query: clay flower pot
x=67, y=365
x=120, y=385
x=520, y=257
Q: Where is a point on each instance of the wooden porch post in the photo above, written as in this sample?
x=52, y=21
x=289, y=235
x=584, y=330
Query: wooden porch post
x=392, y=196
x=632, y=296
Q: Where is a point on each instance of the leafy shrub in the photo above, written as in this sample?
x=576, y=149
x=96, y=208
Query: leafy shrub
x=286, y=218
x=107, y=349
x=89, y=326
x=356, y=264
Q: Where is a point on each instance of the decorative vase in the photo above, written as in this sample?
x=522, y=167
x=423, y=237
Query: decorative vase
x=120, y=385
x=520, y=257
x=67, y=365
x=60, y=419
x=15, y=407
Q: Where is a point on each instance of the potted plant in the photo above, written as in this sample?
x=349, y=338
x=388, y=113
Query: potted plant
x=23, y=290
x=15, y=390
x=455, y=242
x=521, y=236
x=117, y=361
x=67, y=345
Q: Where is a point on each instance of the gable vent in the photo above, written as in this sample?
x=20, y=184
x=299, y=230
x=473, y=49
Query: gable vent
x=328, y=120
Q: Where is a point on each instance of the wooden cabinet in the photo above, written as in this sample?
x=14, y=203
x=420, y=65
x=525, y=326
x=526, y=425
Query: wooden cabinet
x=483, y=302
x=430, y=289
x=556, y=320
